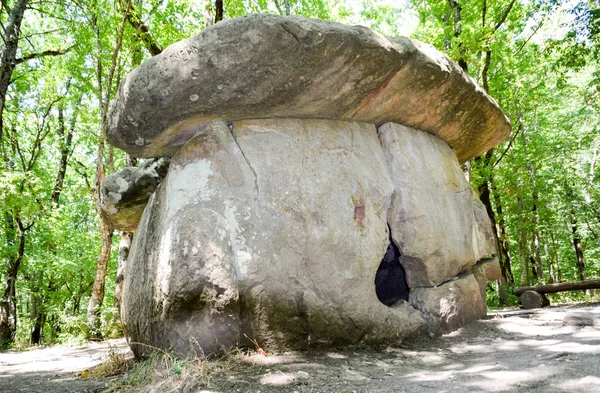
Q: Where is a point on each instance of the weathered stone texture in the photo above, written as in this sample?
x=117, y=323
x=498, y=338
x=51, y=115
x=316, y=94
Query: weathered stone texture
x=124, y=194
x=451, y=305
x=269, y=228
x=533, y=299
x=290, y=174
x=432, y=216
x=268, y=66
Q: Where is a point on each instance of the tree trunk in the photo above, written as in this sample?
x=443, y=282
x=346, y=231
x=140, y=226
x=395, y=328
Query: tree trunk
x=523, y=257
x=218, y=11
x=559, y=277
x=578, y=248
x=103, y=92
x=456, y=11
x=502, y=236
x=97, y=294
x=551, y=270
x=65, y=150
x=538, y=271
x=38, y=318
x=8, y=53
x=8, y=308
x=142, y=32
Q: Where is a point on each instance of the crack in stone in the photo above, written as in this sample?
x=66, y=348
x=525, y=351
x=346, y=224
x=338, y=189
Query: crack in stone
x=290, y=32
x=256, y=187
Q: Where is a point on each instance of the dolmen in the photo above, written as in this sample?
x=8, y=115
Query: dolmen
x=312, y=192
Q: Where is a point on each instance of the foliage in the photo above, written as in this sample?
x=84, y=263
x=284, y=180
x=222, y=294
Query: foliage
x=538, y=59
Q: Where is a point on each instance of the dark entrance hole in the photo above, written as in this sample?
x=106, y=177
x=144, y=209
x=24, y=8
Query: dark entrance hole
x=390, y=280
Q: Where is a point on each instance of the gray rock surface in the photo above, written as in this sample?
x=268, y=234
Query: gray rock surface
x=266, y=229
x=581, y=318
x=451, y=305
x=266, y=66
x=124, y=194
x=435, y=222
x=533, y=299
x=485, y=270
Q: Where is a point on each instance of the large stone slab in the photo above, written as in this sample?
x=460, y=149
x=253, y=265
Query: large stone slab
x=270, y=230
x=451, y=305
x=435, y=221
x=266, y=66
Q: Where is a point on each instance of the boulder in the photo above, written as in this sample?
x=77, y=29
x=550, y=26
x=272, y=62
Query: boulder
x=451, y=305
x=433, y=216
x=487, y=269
x=314, y=196
x=533, y=299
x=269, y=66
x=124, y=194
x=269, y=230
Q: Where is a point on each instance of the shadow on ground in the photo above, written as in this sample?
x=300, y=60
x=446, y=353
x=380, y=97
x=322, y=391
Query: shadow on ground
x=55, y=369
x=511, y=351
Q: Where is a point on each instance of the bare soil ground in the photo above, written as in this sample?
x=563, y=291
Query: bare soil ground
x=55, y=369
x=511, y=351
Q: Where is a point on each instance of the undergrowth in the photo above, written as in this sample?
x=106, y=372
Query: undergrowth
x=164, y=372
x=116, y=363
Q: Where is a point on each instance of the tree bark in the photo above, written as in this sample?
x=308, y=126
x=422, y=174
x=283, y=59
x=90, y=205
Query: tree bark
x=38, y=318
x=456, y=11
x=103, y=92
x=523, y=257
x=578, y=248
x=66, y=142
x=8, y=307
x=505, y=263
x=539, y=270
x=97, y=294
x=8, y=52
x=143, y=33
x=218, y=11
x=559, y=276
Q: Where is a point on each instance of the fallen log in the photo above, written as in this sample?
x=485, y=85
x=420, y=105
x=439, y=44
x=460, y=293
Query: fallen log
x=560, y=287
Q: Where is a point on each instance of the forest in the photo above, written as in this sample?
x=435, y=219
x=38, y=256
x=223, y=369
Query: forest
x=61, y=62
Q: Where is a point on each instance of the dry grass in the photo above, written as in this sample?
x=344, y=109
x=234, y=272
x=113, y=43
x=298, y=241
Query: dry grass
x=167, y=373
x=164, y=372
x=115, y=363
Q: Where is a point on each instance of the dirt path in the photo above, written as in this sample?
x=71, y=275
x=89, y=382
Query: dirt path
x=516, y=351
x=54, y=369
x=513, y=351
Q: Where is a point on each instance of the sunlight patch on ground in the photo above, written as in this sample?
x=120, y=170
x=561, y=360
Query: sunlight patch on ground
x=277, y=379
x=56, y=359
x=589, y=383
x=497, y=381
x=571, y=347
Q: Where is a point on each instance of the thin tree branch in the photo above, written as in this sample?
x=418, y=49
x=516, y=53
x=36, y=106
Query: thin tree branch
x=509, y=145
x=44, y=32
x=531, y=36
x=43, y=54
x=143, y=32
x=278, y=7
x=505, y=15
